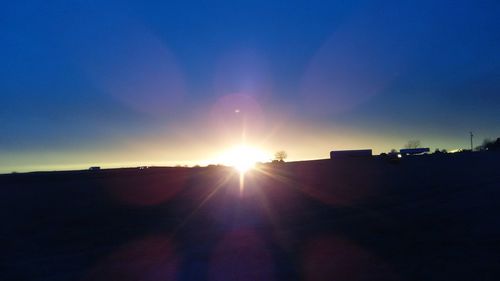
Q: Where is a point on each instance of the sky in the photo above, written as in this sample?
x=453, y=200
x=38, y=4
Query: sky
x=125, y=83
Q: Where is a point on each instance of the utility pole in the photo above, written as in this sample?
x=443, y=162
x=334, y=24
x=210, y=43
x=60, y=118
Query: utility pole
x=471, y=146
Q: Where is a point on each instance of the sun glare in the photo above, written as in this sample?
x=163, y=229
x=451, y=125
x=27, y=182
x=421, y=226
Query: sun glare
x=243, y=158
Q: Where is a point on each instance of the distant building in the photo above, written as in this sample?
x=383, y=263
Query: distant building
x=350, y=153
x=95, y=168
x=414, y=151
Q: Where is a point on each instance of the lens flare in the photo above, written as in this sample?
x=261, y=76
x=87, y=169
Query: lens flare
x=243, y=158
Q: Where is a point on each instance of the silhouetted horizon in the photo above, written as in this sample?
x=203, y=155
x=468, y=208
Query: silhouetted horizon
x=122, y=82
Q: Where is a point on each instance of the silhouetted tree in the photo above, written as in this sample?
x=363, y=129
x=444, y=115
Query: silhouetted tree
x=412, y=144
x=489, y=145
x=280, y=156
x=484, y=145
x=393, y=151
x=494, y=145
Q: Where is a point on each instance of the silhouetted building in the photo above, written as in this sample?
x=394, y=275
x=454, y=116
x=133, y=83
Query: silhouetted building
x=94, y=168
x=414, y=151
x=351, y=153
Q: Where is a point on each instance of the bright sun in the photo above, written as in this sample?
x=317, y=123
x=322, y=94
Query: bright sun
x=243, y=158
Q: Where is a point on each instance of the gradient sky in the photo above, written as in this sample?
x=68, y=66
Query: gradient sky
x=120, y=83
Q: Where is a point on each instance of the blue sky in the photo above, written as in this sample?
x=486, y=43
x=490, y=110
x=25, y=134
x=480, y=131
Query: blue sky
x=124, y=82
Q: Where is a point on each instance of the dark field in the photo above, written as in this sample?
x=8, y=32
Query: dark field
x=424, y=218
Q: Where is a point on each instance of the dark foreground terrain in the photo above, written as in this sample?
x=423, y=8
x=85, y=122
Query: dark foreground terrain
x=422, y=218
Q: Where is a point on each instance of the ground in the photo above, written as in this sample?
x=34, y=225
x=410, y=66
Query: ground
x=431, y=217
